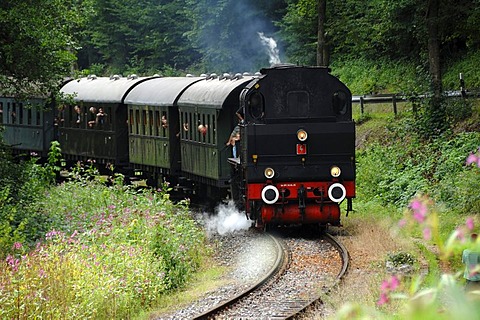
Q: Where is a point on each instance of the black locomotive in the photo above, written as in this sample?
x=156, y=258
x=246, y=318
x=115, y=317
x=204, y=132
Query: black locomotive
x=280, y=143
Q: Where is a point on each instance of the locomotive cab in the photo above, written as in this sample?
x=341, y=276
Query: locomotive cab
x=297, y=147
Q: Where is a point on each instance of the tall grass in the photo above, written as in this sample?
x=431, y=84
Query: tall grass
x=106, y=256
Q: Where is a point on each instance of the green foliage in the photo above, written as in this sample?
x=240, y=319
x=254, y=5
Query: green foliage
x=364, y=76
x=437, y=116
x=22, y=184
x=176, y=242
x=393, y=173
x=400, y=258
x=468, y=66
x=37, y=43
x=101, y=258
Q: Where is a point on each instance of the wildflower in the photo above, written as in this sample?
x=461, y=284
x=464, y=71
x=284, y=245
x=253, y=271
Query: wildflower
x=427, y=233
x=383, y=299
x=470, y=223
x=460, y=234
x=42, y=273
x=387, y=287
x=472, y=158
x=419, y=210
x=13, y=263
x=16, y=246
x=394, y=283
x=402, y=223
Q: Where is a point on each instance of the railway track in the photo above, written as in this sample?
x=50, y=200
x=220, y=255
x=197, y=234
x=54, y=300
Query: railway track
x=304, y=270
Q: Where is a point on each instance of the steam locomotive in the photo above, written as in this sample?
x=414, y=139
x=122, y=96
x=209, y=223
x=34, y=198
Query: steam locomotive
x=280, y=144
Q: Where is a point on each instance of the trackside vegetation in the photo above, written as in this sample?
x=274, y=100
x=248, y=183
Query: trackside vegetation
x=424, y=192
x=87, y=249
x=83, y=250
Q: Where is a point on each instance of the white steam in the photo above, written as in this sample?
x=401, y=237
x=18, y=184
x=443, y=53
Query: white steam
x=271, y=46
x=227, y=219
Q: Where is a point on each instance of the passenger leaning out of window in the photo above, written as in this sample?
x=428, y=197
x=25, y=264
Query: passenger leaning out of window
x=101, y=117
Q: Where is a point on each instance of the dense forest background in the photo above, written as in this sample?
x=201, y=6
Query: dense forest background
x=373, y=45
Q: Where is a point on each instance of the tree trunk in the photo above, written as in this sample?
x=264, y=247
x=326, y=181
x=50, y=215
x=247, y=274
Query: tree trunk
x=434, y=47
x=322, y=55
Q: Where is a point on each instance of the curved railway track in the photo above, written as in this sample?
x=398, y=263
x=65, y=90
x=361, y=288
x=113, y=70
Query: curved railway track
x=303, y=271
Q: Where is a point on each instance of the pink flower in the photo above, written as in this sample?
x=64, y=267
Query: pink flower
x=472, y=158
x=13, y=263
x=419, y=210
x=402, y=223
x=460, y=234
x=419, y=217
x=17, y=245
x=385, y=286
x=383, y=299
x=470, y=223
x=394, y=283
x=427, y=233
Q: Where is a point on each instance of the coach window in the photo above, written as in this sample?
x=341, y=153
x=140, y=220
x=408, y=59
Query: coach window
x=181, y=133
x=297, y=104
x=214, y=129
x=156, y=123
x=191, y=126
x=256, y=105
x=130, y=120
x=164, y=123
x=38, y=118
x=143, y=122
x=137, y=121
x=209, y=126
x=29, y=116
x=13, y=114
x=20, y=113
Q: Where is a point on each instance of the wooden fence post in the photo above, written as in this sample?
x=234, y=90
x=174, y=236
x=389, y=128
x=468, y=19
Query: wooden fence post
x=394, y=101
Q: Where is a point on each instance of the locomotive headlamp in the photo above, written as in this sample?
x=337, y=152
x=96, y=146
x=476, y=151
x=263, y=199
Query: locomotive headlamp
x=335, y=171
x=302, y=135
x=269, y=173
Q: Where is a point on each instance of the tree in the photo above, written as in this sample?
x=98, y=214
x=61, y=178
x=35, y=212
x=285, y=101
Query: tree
x=141, y=36
x=38, y=43
x=322, y=50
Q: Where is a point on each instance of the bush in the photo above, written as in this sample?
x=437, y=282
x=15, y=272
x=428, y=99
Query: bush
x=392, y=173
